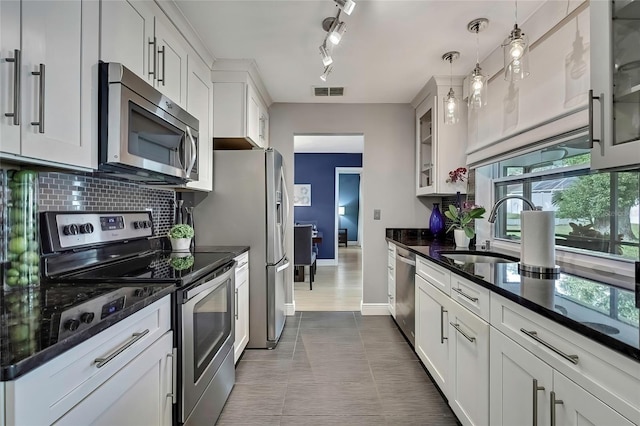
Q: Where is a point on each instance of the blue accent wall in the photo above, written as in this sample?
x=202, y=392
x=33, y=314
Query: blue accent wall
x=349, y=198
x=319, y=170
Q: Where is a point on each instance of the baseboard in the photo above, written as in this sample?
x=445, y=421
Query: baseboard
x=374, y=308
x=290, y=308
x=353, y=243
x=326, y=262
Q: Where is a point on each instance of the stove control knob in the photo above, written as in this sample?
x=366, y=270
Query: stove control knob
x=72, y=325
x=70, y=229
x=139, y=293
x=87, y=317
x=137, y=224
x=147, y=224
x=86, y=228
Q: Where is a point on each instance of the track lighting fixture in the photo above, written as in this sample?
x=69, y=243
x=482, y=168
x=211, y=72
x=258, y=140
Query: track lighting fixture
x=477, y=81
x=326, y=57
x=516, y=53
x=451, y=103
x=347, y=6
x=337, y=32
x=327, y=71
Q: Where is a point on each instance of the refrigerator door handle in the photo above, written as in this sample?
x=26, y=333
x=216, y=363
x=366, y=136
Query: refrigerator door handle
x=283, y=267
x=286, y=209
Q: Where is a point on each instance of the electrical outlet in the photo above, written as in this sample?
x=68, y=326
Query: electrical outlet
x=376, y=214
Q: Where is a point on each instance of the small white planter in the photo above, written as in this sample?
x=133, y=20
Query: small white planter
x=180, y=244
x=461, y=238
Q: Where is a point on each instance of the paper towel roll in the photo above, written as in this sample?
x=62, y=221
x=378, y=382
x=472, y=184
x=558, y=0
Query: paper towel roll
x=537, y=242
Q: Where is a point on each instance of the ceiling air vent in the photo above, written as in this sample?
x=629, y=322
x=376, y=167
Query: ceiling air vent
x=328, y=91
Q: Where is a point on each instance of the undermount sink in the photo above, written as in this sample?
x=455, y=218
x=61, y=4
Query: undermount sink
x=473, y=257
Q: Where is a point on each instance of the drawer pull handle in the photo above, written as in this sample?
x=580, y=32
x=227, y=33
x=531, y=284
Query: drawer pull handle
x=536, y=388
x=534, y=335
x=442, y=312
x=463, y=294
x=242, y=264
x=101, y=362
x=457, y=327
x=552, y=407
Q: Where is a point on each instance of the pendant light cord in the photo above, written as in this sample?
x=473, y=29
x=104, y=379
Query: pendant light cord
x=478, y=44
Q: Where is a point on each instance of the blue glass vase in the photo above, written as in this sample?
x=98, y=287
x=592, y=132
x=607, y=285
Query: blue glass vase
x=436, y=221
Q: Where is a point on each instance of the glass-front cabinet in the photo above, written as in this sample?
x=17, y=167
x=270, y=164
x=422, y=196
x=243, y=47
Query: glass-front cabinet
x=615, y=80
x=440, y=147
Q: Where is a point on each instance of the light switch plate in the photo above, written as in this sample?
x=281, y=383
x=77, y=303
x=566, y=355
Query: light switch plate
x=376, y=214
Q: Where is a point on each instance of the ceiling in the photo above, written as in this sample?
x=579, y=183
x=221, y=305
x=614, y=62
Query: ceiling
x=328, y=144
x=390, y=50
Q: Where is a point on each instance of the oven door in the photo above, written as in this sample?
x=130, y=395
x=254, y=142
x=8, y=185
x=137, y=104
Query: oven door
x=207, y=335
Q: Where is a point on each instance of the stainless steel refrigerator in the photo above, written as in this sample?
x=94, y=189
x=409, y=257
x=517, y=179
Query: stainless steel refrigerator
x=249, y=206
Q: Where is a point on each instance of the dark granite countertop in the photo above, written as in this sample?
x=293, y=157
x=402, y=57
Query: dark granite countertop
x=236, y=250
x=30, y=329
x=598, y=306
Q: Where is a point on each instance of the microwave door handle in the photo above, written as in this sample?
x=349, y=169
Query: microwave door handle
x=193, y=152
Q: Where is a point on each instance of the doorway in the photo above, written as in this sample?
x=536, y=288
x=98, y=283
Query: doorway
x=319, y=163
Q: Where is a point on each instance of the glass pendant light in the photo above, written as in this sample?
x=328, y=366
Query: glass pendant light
x=477, y=80
x=451, y=103
x=516, y=53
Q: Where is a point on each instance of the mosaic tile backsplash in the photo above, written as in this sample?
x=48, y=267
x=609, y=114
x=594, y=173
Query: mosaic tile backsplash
x=60, y=191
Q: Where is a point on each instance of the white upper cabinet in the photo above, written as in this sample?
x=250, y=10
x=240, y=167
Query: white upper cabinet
x=615, y=80
x=140, y=36
x=440, y=147
x=200, y=105
x=48, y=74
x=240, y=106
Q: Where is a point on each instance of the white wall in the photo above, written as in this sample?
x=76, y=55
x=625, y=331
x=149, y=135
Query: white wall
x=388, y=181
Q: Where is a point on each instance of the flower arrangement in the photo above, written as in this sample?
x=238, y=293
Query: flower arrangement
x=181, y=231
x=457, y=175
x=463, y=217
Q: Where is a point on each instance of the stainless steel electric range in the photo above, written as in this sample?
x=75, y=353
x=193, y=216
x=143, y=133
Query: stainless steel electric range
x=97, y=263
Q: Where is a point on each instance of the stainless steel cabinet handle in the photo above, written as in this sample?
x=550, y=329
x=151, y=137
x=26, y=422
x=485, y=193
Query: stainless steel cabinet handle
x=534, y=335
x=40, y=122
x=552, y=407
x=442, y=312
x=16, y=87
x=153, y=73
x=101, y=362
x=457, y=327
x=161, y=51
x=194, y=151
x=236, y=304
x=591, y=99
x=242, y=264
x=461, y=293
x=536, y=389
x=174, y=362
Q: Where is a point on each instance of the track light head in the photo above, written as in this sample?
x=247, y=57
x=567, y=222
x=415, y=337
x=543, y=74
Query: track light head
x=326, y=57
x=327, y=71
x=347, y=6
x=336, y=33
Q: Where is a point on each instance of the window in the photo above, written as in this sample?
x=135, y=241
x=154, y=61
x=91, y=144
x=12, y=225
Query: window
x=596, y=212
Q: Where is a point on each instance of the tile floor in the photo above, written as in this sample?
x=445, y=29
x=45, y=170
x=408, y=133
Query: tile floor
x=335, y=368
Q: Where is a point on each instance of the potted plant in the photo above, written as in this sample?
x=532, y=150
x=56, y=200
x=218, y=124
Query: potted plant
x=462, y=220
x=180, y=237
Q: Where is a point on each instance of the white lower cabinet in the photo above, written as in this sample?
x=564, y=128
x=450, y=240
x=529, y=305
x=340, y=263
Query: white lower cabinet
x=432, y=331
x=241, y=306
x=124, y=375
x=140, y=393
x=391, y=279
x=468, y=390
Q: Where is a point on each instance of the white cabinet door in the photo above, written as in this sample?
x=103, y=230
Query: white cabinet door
x=200, y=105
x=253, y=116
x=138, y=394
x=127, y=36
x=9, y=72
x=468, y=366
x=242, y=305
x=432, y=331
x=171, y=78
x=391, y=279
x=578, y=407
x=58, y=77
x=520, y=384
x=264, y=127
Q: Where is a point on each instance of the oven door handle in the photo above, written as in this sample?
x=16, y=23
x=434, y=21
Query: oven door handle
x=211, y=284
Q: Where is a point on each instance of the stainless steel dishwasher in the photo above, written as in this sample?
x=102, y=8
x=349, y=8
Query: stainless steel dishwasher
x=405, y=293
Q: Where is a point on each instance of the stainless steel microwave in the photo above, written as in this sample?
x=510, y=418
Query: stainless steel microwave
x=143, y=135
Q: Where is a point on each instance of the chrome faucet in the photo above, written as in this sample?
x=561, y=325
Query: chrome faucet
x=492, y=215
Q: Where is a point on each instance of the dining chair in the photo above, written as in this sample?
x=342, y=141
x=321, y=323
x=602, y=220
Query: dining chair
x=303, y=253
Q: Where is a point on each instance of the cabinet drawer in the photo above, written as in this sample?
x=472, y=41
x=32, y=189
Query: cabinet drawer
x=471, y=296
x=610, y=376
x=436, y=275
x=67, y=379
x=392, y=255
x=243, y=261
